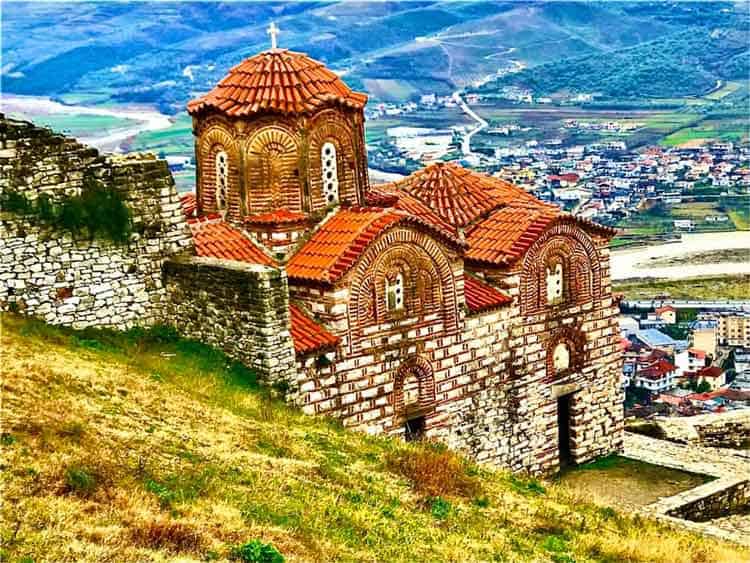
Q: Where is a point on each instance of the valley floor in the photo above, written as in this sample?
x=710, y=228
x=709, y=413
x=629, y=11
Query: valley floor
x=142, y=446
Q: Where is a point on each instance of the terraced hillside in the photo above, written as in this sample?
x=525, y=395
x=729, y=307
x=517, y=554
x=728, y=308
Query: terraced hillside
x=143, y=446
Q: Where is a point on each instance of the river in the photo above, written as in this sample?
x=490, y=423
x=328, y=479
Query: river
x=633, y=263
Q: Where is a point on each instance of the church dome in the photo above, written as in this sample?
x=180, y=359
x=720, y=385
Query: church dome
x=280, y=81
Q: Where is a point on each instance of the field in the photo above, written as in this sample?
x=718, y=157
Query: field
x=728, y=129
x=79, y=125
x=661, y=220
x=142, y=446
x=720, y=287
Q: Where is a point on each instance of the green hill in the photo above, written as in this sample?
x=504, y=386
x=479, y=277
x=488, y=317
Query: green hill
x=142, y=446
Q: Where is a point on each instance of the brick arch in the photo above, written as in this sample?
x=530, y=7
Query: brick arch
x=364, y=280
x=216, y=137
x=332, y=126
x=419, y=367
x=566, y=241
x=271, y=170
x=576, y=342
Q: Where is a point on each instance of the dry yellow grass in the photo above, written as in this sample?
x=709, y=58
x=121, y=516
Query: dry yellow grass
x=119, y=449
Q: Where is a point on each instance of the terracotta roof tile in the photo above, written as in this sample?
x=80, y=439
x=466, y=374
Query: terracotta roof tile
x=406, y=202
x=458, y=195
x=337, y=244
x=480, y=296
x=279, y=81
x=508, y=232
x=189, y=204
x=216, y=239
x=307, y=335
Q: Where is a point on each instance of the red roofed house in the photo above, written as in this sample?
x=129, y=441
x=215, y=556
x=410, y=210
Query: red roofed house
x=448, y=304
x=668, y=314
x=656, y=376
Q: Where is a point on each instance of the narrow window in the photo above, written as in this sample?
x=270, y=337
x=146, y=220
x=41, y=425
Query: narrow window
x=554, y=283
x=395, y=293
x=330, y=173
x=561, y=357
x=222, y=181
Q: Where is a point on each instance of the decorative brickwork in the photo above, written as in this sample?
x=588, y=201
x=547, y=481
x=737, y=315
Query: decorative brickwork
x=459, y=308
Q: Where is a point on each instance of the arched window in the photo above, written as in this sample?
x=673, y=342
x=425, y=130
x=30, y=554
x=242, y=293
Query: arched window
x=394, y=290
x=554, y=283
x=561, y=357
x=330, y=174
x=222, y=181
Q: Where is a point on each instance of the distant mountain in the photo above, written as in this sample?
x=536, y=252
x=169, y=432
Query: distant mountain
x=163, y=53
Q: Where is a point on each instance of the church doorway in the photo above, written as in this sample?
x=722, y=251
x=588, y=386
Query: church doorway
x=413, y=397
x=563, y=430
x=414, y=429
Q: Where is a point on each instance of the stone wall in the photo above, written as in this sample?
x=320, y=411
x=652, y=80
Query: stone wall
x=725, y=430
x=713, y=500
x=76, y=281
x=240, y=308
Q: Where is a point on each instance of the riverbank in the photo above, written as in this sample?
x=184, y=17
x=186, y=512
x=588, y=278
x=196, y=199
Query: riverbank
x=697, y=288
x=673, y=260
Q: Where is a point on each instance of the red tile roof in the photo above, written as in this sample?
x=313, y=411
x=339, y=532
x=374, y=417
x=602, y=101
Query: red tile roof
x=280, y=81
x=666, y=308
x=276, y=217
x=459, y=196
x=307, y=335
x=480, y=296
x=697, y=353
x=406, y=202
x=508, y=232
x=710, y=371
x=189, y=204
x=341, y=240
x=657, y=370
x=216, y=239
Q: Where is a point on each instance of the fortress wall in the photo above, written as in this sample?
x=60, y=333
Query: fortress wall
x=240, y=308
x=48, y=273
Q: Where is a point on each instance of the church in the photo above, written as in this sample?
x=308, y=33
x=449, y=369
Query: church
x=447, y=305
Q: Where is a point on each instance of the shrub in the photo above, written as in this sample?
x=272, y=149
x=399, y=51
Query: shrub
x=256, y=551
x=80, y=480
x=440, y=508
x=435, y=471
x=99, y=210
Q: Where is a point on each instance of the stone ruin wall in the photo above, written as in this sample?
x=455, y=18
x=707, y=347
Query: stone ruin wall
x=80, y=283
x=242, y=309
x=77, y=281
x=720, y=430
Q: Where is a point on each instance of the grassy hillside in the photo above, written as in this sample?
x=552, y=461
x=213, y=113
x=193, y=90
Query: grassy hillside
x=146, y=447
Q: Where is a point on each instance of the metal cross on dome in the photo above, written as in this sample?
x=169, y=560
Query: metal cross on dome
x=273, y=31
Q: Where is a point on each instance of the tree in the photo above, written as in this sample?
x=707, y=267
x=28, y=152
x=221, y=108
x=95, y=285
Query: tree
x=703, y=387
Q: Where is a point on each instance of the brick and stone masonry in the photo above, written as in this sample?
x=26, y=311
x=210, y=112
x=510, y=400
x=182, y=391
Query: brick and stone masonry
x=448, y=305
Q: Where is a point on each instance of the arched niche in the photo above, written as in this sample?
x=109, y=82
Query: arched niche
x=272, y=178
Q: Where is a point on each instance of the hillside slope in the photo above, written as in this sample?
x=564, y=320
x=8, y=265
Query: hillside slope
x=145, y=447
x=164, y=53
